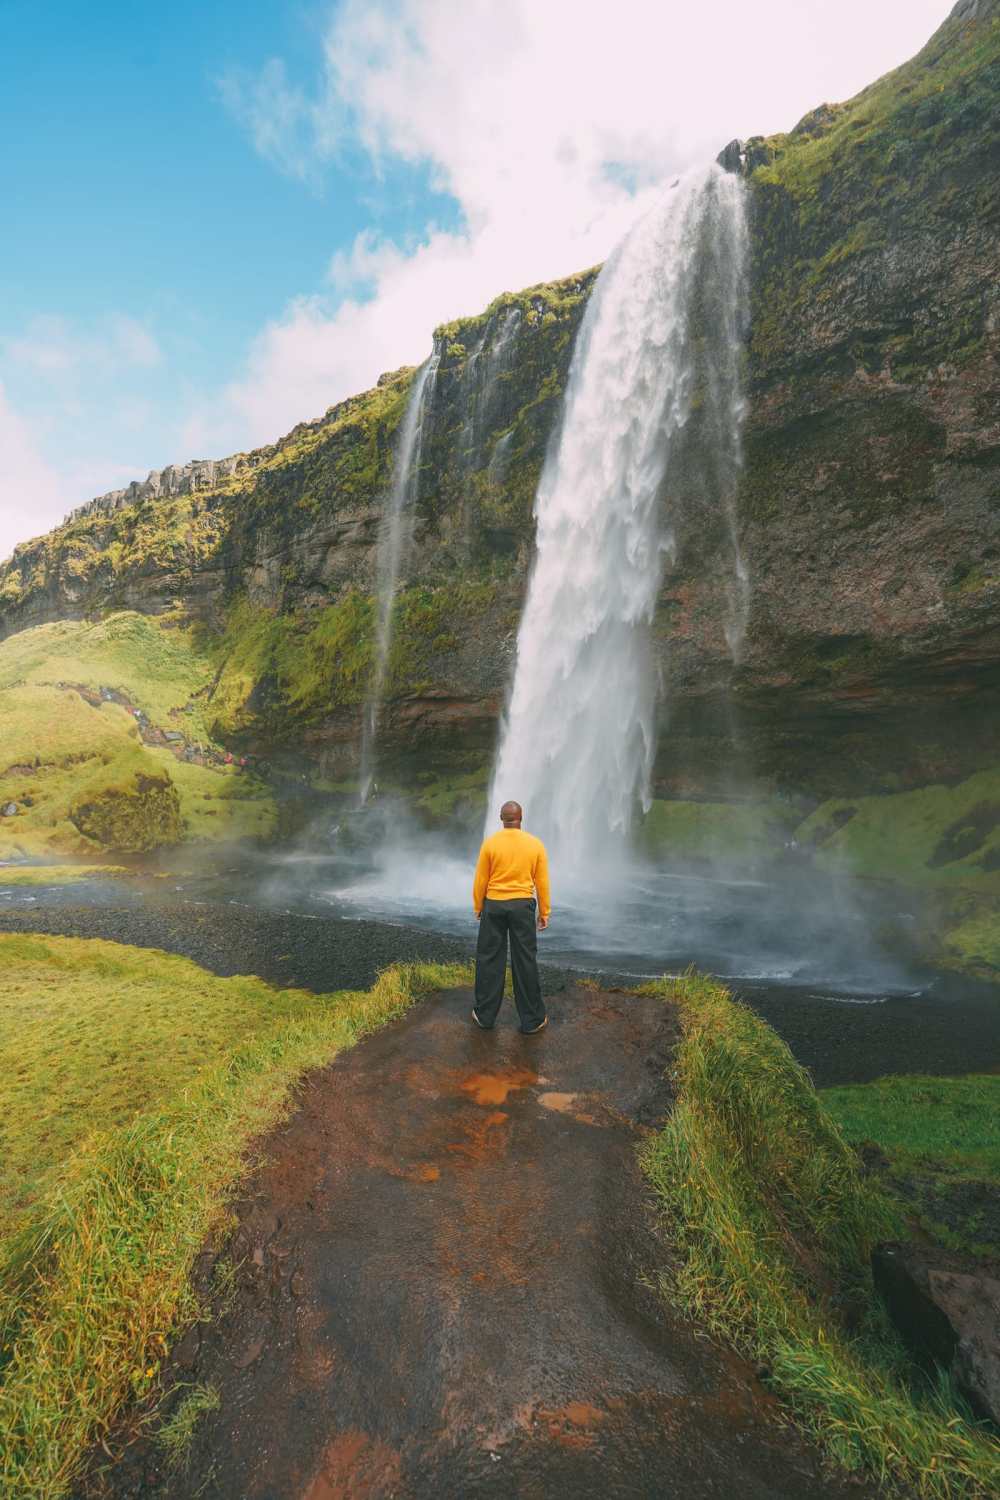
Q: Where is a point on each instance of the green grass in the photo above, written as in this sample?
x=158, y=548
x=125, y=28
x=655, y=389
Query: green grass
x=460, y=794
x=133, y=1084
x=174, y=1438
x=906, y=101
x=970, y=939
x=553, y=300
x=941, y=840
x=920, y=1119
x=92, y=1033
x=736, y=831
x=62, y=755
x=56, y=874
x=155, y=666
x=774, y=1225
x=221, y=803
x=940, y=1136
x=939, y=835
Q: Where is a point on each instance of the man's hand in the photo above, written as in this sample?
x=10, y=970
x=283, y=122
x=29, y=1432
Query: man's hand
x=543, y=922
x=478, y=916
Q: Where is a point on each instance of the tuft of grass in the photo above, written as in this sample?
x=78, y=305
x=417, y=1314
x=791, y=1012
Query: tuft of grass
x=177, y=1433
x=774, y=1227
x=94, y=1275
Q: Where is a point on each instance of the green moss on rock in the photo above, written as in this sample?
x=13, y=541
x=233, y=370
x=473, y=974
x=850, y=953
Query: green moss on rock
x=140, y=813
x=737, y=832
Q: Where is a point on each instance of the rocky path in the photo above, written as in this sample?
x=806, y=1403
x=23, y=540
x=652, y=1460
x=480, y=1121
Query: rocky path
x=440, y=1288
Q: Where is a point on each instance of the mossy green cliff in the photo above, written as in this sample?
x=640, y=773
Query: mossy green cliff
x=869, y=511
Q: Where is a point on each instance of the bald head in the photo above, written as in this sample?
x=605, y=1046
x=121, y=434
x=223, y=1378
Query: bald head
x=511, y=815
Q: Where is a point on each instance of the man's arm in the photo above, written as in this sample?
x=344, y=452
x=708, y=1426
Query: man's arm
x=542, y=887
x=481, y=880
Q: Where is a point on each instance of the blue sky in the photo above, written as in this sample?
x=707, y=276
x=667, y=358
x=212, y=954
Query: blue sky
x=222, y=217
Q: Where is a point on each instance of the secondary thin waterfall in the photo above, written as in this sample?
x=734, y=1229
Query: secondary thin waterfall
x=661, y=336
x=397, y=521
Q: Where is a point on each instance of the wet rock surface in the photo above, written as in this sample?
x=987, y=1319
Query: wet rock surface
x=439, y=1288
x=947, y=1308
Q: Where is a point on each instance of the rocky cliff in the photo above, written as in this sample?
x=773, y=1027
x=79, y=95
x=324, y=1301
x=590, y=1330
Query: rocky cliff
x=869, y=503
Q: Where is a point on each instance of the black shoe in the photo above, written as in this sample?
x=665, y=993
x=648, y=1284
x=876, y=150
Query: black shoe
x=535, y=1029
x=479, y=1022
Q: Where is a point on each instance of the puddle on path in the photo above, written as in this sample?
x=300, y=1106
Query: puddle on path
x=492, y=1088
x=562, y=1103
x=570, y=1104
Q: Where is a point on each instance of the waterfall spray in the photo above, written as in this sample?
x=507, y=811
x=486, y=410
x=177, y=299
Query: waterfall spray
x=578, y=745
x=394, y=532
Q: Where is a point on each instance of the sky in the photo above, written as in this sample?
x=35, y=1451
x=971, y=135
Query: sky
x=222, y=218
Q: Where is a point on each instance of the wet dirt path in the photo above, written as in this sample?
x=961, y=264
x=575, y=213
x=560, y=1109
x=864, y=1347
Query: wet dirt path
x=440, y=1288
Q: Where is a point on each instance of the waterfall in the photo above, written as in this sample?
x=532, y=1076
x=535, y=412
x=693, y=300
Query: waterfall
x=661, y=338
x=394, y=531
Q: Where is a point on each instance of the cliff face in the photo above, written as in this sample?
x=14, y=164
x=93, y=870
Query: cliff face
x=869, y=504
x=275, y=550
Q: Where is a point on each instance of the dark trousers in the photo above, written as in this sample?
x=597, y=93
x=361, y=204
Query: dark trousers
x=516, y=920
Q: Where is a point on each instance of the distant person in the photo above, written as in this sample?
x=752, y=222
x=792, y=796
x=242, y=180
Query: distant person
x=512, y=867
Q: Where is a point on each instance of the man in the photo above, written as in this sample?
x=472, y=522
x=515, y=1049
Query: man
x=512, y=867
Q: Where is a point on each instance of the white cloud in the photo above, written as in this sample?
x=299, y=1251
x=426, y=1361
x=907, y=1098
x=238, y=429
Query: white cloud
x=549, y=123
x=130, y=343
x=30, y=491
x=288, y=129
x=53, y=347
x=47, y=346
x=76, y=407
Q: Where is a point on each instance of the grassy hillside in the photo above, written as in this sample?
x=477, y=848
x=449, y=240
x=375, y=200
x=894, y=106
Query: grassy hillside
x=131, y=1084
x=941, y=1140
x=944, y=840
x=73, y=758
x=774, y=1224
x=851, y=176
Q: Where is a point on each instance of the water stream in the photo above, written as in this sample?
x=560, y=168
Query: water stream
x=394, y=533
x=661, y=335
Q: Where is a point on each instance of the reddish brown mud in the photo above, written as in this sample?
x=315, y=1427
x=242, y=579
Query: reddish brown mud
x=440, y=1289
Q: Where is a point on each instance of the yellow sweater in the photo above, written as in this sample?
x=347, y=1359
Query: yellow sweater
x=512, y=865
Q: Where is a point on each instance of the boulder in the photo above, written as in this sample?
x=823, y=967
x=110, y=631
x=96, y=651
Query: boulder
x=947, y=1310
x=139, y=813
x=730, y=158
